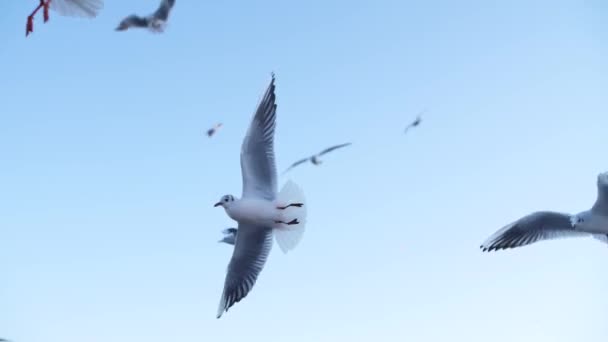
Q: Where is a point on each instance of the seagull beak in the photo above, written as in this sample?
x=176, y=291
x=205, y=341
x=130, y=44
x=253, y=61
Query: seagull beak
x=217, y=204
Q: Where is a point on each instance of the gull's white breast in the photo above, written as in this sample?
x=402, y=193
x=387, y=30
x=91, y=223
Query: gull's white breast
x=254, y=211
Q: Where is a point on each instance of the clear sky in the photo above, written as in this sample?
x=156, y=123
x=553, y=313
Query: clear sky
x=107, y=181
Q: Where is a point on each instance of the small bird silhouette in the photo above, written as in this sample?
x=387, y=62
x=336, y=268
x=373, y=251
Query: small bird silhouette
x=155, y=22
x=315, y=158
x=211, y=131
x=415, y=123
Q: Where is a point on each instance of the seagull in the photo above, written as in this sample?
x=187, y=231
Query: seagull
x=315, y=158
x=70, y=8
x=414, y=123
x=154, y=22
x=229, y=236
x=261, y=213
x=546, y=225
x=211, y=131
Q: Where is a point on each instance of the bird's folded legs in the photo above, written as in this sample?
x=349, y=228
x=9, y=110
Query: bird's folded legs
x=294, y=221
x=299, y=205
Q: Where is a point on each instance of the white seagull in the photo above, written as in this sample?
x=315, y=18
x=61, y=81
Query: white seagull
x=261, y=212
x=546, y=225
x=70, y=8
x=155, y=22
x=229, y=236
x=315, y=160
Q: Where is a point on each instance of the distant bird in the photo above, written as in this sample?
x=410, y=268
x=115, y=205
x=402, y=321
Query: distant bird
x=229, y=236
x=315, y=158
x=155, y=22
x=211, y=131
x=70, y=8
x=546, y=225
x=261, y=213
x=415, y=123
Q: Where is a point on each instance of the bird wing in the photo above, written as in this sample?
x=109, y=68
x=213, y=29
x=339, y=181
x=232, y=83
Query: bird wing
x=301, y=161
x=540, y=225
x=77, y=8
x=253, y=245
x=327, y=150
x=229, y=231
x=258, y=166
x=601, y=203
x=164, y=9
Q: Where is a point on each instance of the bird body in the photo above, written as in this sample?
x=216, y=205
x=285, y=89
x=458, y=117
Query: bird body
x=546, y=225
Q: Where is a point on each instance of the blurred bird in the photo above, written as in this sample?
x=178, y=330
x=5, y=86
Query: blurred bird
x=315, y=158
x=546, y=225
x=211, y=131
x=414, y=123
x=229, y=236
x=70, y=8
x=155, y=22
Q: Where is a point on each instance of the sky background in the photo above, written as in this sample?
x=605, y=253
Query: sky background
x=107, y=181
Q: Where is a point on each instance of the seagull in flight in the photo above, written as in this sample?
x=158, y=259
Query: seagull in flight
x=155, y=22
x=229, y=236
x=414, y=123
x=69, y=8
x=315, y=159
x=261, y=212
x=546, y=225
x=211, y=131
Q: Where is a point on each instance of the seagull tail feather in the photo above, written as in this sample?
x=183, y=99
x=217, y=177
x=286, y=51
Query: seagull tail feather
x=288, y=236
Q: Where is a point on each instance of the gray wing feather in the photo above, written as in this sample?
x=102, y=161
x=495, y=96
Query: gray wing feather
x=257, y=152
x=77, y=8
x=327, y=150
x=541, y=225
x=301, y=161
x=253, y=244
x=164, y=9
x=601, y=203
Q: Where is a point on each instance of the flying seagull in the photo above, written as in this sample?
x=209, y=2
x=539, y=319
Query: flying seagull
x=155, y=22
x=261, y=212
x=414, y=123
x=211, y=131
x=70, y=8
x=229, y=236
x=546, y=225
x=315, y=158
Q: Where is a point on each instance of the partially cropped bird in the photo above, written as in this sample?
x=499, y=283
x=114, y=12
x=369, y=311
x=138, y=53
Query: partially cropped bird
x=211, y=131
x=229, y=236
x=70, y=8
x=315, y=158
x=414, y=123
x=155, y=22
x=547, y=225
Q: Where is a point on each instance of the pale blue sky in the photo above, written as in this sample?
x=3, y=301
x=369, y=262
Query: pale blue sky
x=107, y=181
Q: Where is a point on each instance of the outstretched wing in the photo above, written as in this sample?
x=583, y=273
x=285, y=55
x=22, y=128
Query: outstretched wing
x=258, y=166
x=301, y=161
x=327, y=150
x=77, y=8
x=253, y=244
x=164, y=9
x=601, y=203
x=540, y=225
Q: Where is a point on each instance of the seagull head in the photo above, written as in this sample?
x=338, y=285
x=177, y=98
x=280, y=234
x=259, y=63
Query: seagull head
x=226, y=201
x=315, y=160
